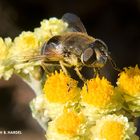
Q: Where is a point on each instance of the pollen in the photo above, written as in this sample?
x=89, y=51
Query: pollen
x=129, y=81
x=60, y=88
x=26, y=44
x=69, y=123
x=97, y=92
x=112, y=130
x=113, y=127
x=27, y=39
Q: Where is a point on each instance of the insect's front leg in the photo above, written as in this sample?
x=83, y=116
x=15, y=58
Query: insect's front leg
x=63, y=64
x=77, y=69
x=96, y=71
x=46, y=65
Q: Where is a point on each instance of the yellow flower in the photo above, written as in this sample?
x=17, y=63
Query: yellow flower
x=6, y=70
x=50, y=28
x=60, y=91
x=54, y=25
x=98, y=98
x=24, y=46
x=113, y=127
x=68, y=126
x=97, y=92
x=69, y=123
x=129, y=86
x=40, y=110
x=129, y=81
x=60, y=88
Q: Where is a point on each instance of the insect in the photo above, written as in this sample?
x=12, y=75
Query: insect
x=75, y=48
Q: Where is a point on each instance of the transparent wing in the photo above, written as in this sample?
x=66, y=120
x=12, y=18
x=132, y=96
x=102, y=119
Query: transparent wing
x=52, y=49
x=25, y=58
x=74, y=23
x=49, y=51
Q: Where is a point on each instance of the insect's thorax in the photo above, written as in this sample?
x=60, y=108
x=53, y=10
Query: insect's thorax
x=73, y=46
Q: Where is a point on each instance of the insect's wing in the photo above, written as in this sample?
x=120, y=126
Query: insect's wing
x=52, y=53
x=74, y=23
x=52, y=49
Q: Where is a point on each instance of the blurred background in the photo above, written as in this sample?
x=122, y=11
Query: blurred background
x=116, y=22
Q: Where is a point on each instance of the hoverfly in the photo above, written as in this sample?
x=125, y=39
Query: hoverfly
x=75, y=48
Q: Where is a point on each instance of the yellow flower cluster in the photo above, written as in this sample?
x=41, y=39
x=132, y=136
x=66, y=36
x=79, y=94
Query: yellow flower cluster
x=97, y=92
x=59, y=90
x=5, y=71
x=28, y=44
x=94, y=112
x=70, y=125
x=50, y=28
x=113, y=127
x=129, y=85
x=25, y=45
x=98, y=97
x=99, y=105
x=18, y=56
x=62, y=86
x=129, y=81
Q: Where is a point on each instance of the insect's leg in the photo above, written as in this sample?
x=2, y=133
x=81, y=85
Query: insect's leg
x=62, y=64
x=66, y=64
x=79, y=74
x=96, y=71
x=81, y=77
x=77, y=69
x=43, y=65
x=46, y=65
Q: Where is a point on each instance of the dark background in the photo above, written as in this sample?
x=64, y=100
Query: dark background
x=116, y=22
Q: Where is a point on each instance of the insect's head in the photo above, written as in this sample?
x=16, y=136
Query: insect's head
x=95, y=55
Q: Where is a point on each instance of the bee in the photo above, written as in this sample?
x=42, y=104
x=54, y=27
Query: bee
x=75, y=48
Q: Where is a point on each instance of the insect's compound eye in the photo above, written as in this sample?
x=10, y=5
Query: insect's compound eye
x=88, y=57
x=101, y=46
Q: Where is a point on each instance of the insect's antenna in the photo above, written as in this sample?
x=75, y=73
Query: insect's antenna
x=113, y=64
